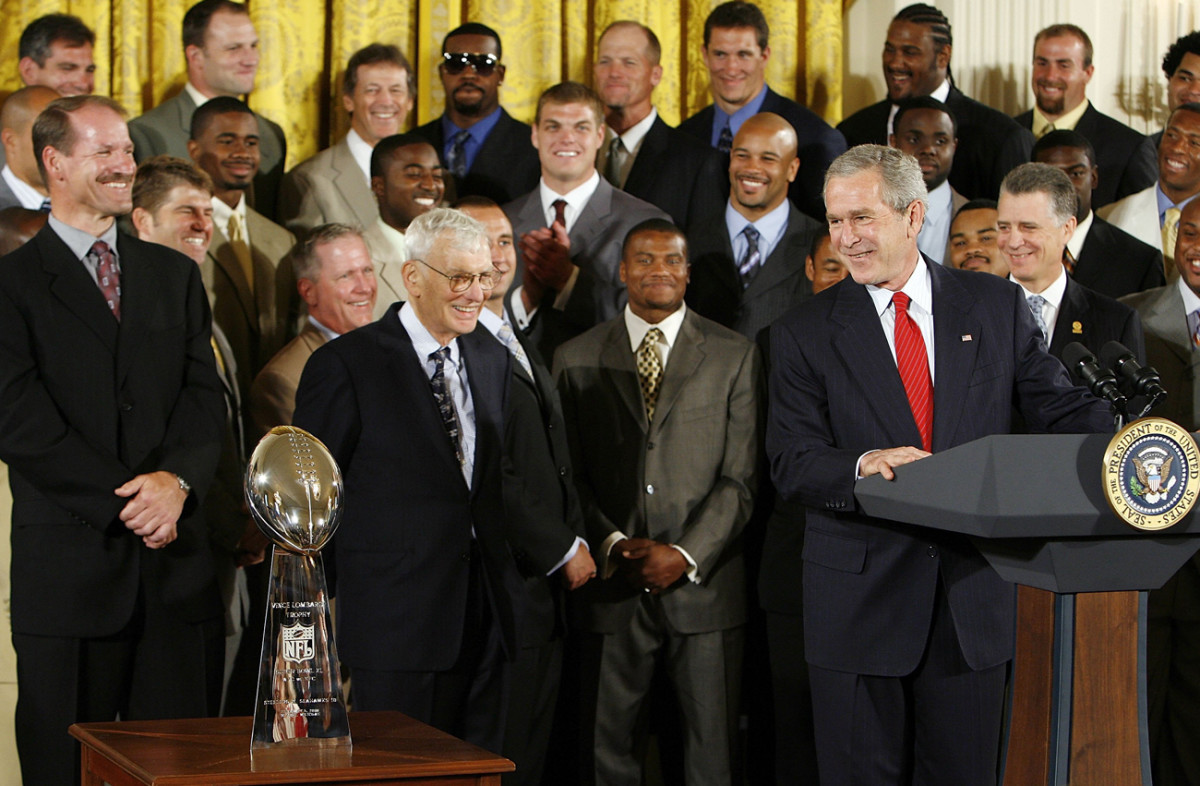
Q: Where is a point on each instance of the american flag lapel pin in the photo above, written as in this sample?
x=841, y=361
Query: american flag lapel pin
x=967, y=337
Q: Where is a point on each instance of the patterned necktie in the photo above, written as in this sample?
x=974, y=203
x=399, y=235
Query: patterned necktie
x=616, y=157
x=1048, y=128
x=649, y=368
x=560, y=212
x=445, y=402
x=725, y=142
x=108, y=276
x=457, y=157
x=1069, y=261
x=913, y=362
x=1036, y=304
x=237, y=241
x=1170, y=232
x=1196, y=332
x=748, y=267
x=509, y=339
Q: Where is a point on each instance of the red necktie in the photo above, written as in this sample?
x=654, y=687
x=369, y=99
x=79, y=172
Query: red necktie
x=560, y=212
x=913, y=362
x=107, y=276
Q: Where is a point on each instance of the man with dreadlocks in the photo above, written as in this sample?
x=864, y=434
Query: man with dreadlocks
x=916, y=62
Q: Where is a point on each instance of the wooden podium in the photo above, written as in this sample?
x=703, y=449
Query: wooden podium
x=1034, y=506
x=389, y=748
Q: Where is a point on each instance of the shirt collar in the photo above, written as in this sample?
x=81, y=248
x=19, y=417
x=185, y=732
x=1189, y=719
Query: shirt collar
x=1052, y=294
x=490, y=320
x=918, y=288
x=394, y=237
x=633, y=137
x=1191, y=301
x=576, y=199
x=479, y=131
x=81, y=242
x=772, y=225
x=638, y=327
x=941, y=204
x=1075, y=244
x=1067, y=121
x=222, y=213
x=198, y=98
x=941, y=93
x=360, y=151
x=329, y=335
x=26, y=194
x=747, y=111
x=424, y=344
x=1164, y=202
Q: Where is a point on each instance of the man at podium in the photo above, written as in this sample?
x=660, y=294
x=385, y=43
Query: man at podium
x=908, y=630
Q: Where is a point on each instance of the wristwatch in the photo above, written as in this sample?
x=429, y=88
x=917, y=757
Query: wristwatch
x=184, y=486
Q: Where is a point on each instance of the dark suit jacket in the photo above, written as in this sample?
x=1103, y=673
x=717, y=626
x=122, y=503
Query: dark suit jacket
x=1170, y=351
x=819, y=145
x=1128, y=160
x=88, y=403
x=596, y=238
x=402, y=551
x=687, y=477
x=167, y=127
x=542, y=513
x=1094, y=320
x=1115, y=263
x=869, y=584
x=715, y=289
x=506, y=166
x=990, y=143
x=678, y=173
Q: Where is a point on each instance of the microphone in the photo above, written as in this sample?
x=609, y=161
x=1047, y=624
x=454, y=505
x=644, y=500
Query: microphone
x=1139, y=380
x=1101, y=381
x=1143, y=380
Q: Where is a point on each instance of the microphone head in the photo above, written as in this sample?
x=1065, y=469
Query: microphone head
x=1116, y=356
x=1076, y=354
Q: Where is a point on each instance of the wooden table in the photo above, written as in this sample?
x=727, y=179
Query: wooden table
x=389, y=748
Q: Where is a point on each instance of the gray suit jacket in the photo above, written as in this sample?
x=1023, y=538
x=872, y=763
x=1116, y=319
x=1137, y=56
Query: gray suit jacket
x=7, y=197
x=387, y=269
x=257, y=323
x=687, y=477
x=273, y=394
x=596, y=238
x=327, y=187
x=1169, y=349
x=167, y=127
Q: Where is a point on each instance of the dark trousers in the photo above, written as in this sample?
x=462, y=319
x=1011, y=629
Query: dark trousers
x=535, y=677
x=158, y=666
x=938, y=725
x=795, y=739
x=468, y=700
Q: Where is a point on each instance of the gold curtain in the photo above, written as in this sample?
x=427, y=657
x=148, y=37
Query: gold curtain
x=305, y=45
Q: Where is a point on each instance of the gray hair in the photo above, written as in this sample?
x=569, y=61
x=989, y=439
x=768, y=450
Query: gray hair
x=901, y=183
x=444, y=226
x=305, y=263
x=1048, y=180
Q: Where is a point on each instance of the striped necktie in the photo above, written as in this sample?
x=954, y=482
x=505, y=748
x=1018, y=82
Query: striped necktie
x=913, y=363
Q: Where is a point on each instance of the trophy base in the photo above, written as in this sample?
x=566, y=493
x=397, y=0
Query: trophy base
x=308, y=753
x=300, y=709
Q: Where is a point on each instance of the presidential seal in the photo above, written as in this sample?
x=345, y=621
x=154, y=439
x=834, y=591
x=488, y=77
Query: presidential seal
x=1152, y=473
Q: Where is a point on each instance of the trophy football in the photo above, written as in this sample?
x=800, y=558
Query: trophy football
x=294, y=489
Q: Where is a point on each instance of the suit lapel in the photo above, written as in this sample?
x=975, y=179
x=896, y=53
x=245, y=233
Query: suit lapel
x=348, y=179
x=264, y=270
x=225, y=263
x=73, y=286
x=863, y=348
x=1071, y=323
x=686, y=356
x=954, y=353
x=1166, y=318
x=785, y=263
x=487, y=375
x=654, y=145
x=592, y=219
x=187, y=108
x=617, y=362
x=138, y=278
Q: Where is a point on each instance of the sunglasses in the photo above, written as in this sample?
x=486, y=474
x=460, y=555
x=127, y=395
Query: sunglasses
x=456, y=62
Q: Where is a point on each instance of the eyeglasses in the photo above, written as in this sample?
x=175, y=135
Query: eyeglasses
x=461, y=282
x=456, y=62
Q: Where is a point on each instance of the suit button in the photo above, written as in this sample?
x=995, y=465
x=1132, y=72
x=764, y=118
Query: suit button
x=127, y=408
x=466, y=556
x=562, y=471
x=649, y=446
x=932, y=551
x=649, y=488
x=550, y=426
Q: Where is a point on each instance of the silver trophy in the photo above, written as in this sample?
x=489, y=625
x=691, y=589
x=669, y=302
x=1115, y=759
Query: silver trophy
x=294, y=489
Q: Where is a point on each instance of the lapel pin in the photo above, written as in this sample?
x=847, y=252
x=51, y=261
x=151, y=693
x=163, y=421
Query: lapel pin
x=1077, y=328
x=967, y=337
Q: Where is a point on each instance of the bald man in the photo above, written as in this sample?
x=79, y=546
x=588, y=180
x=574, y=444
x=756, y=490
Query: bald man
x=18, y=226
x=748, y=264
x=21, y=183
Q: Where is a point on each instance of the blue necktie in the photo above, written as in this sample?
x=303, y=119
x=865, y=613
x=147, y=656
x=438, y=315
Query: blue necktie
x=445, y=403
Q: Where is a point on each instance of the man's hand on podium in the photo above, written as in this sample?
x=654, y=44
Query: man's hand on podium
x=882, y=462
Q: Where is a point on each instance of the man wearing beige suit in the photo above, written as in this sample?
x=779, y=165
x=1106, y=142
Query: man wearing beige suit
x=662, y=410
x=336, y=280
x=335, y=184
x=251, y=292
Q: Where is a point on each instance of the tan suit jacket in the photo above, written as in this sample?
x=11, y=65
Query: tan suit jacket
x=257, y=323
x=273, y=394
x=330, y=186
x=387, y=269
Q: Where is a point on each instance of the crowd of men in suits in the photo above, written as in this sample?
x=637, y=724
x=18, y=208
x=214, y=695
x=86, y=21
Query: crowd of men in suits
x=600, y=389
